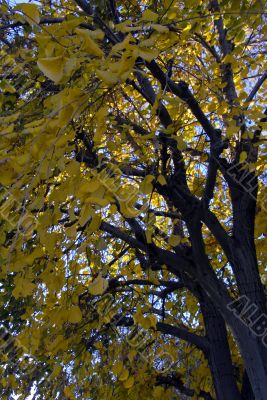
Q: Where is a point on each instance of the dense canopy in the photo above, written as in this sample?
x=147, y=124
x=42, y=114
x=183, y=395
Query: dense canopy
x=133, y=199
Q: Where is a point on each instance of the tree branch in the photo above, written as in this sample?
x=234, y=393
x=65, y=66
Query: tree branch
x=175, y=381
x=181, y=90
x=256, y=87
x=118, y=233
x=183, y=333
x=166, y=329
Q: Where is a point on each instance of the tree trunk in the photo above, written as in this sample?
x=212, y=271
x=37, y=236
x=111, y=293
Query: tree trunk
x=245, y=259
x=246, y=391
x=219, y=356
x=251, y=350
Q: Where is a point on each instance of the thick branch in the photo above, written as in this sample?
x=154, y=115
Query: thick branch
x=175, y=331
x=175, y=381
x=182, y=333
x=118, y=233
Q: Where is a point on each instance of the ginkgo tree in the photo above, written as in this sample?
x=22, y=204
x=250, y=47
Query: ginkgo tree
x=133, y=206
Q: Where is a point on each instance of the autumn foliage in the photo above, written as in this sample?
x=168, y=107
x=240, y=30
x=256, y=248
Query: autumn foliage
x=133, y=205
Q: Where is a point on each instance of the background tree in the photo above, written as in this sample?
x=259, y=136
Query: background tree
x=133, y=206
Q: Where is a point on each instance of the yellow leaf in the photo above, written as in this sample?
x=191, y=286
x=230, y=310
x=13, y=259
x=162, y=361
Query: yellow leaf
x=7, y=130
x=89, y=45
x=129, y=382
x=68, y=392
x=125, y=64
x=101, y=122
x=30, y=12
x=12, y=381
x=243, y=156
x=147, y=54
x=160, y=28
x=103, y=202
x=174, y=240
x=89, y=186
x=117, y=368
x=95, y=223
x=10, y=118
x=85, y=214
x=131, y=355
x=231, y=130
x=149, y=15
x=148, y=42
x=96, y=34
x=181, y=145
x=138, y=316
x=146, y=186
x=162, y=180
x=74, y=315
x=102, y=114
x=23, y=287
x=125, y=44
x=158, y=392
x=6, y=87
x=153, y=321
x=124, y=375
x=125, y=28
x=108, y=77
x=52, y=67
x=128, y=211
x=228, y=59
x=56, y=371
x=98, y=286
x=71, y=231
x=70, y=65
x=149, y=235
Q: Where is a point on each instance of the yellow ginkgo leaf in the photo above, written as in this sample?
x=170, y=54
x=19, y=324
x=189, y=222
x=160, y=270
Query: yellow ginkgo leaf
x=68, y=392
x=149, y=233
x=243, y=156
x=95, y=223
x=129, y=383
x=146, y=186
x=23, y=287
x=108, y=77
x=117, y=368
x=88, y=44
x=86, y=214
x=128, y=211
x=149, y=15
x=162, y=180
x=181, y=145
x=174, y=240
x=124, y=375
x=52, y=67
x=9, y=119
x=160, y=28
x=56, y=371
x=6, y=87
x=89, y=186
x=74, y=315
x=98, y=286
x=147, y=54
x=103, y=202
x=30, y=13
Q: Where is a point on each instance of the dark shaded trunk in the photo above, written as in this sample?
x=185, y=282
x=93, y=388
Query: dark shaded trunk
x=245, y=259
x=250, y=346
x=246, y=391
x=219, y=356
